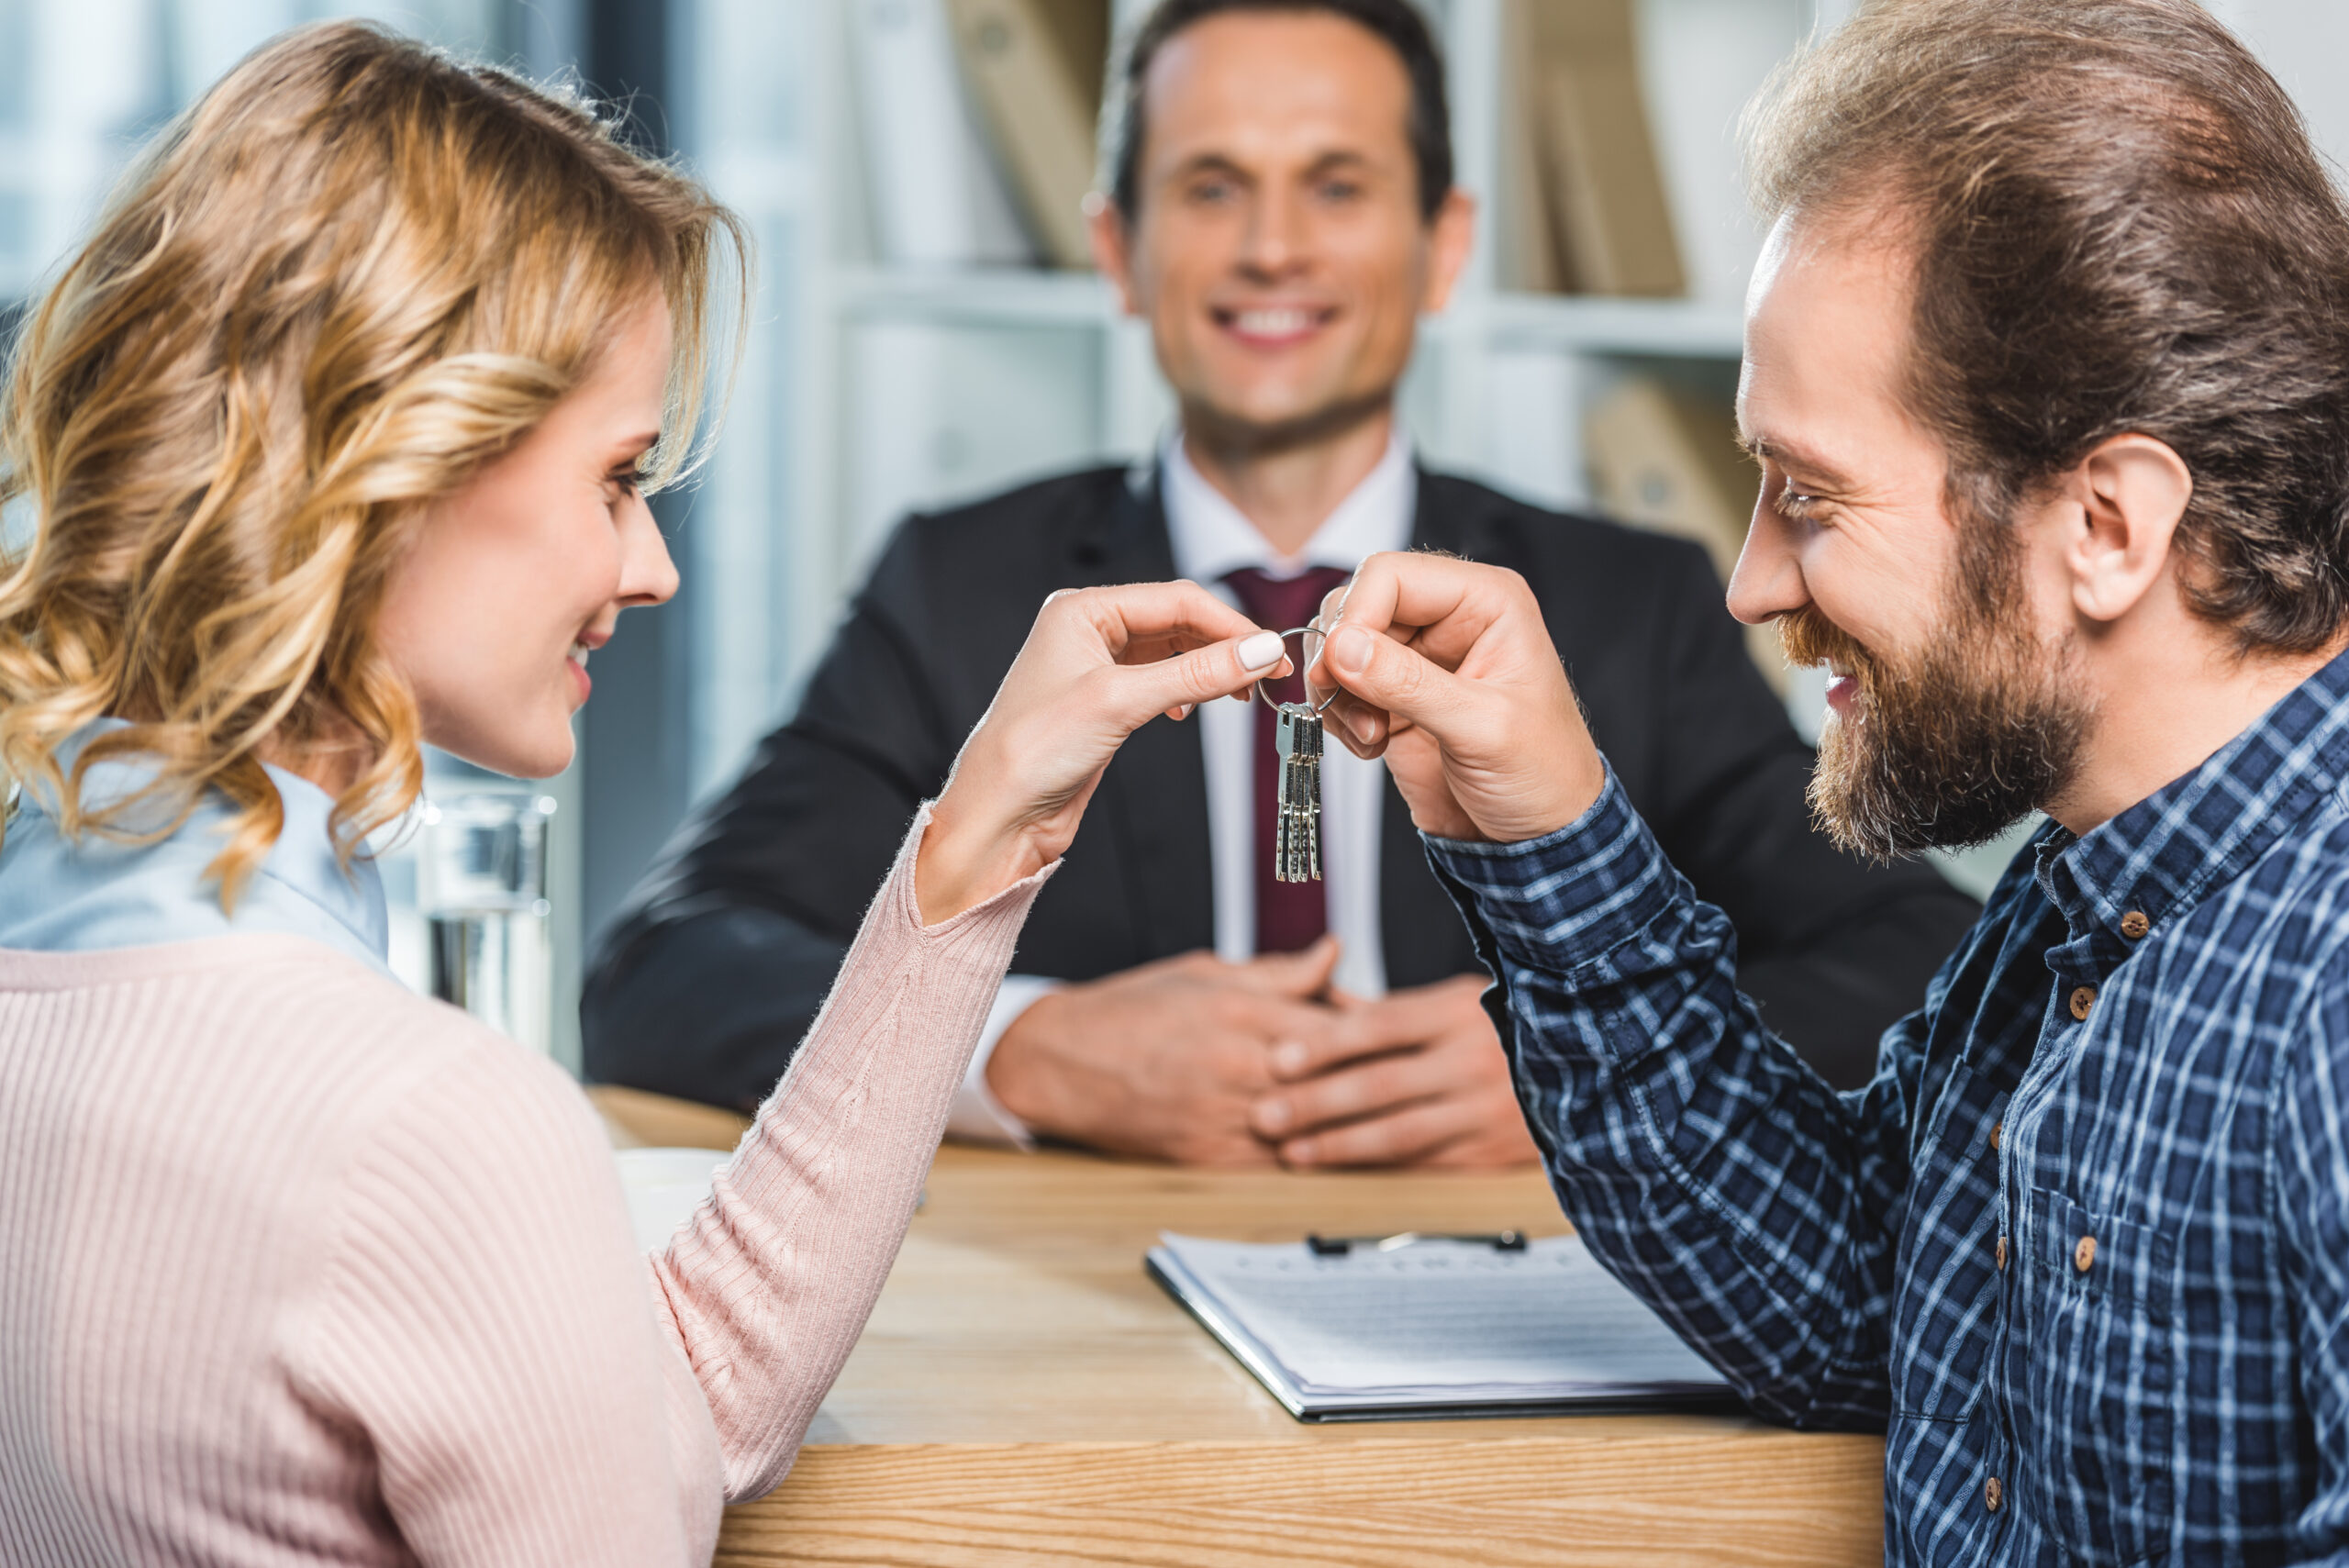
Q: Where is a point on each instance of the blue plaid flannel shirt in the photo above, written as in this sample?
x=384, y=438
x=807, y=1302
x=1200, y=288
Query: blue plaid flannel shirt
x=2081, y=1250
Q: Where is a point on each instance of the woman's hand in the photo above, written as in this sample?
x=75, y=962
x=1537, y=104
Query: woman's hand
x=1447, y=669
x=1098, y=664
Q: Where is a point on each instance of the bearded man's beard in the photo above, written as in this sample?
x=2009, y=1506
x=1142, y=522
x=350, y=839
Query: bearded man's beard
x=1954, y=745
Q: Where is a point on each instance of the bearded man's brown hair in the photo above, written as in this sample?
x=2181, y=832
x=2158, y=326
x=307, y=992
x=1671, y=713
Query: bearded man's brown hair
x=2119, y=226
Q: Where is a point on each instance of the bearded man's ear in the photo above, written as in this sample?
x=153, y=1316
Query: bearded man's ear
x=2130, y=493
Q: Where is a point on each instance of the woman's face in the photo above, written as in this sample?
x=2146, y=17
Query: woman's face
x=515, y=578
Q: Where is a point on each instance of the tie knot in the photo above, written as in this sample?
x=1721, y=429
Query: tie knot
x=1279, y=604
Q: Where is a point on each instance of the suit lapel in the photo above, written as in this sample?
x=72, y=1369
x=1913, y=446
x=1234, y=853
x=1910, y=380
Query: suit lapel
x=1154, y=794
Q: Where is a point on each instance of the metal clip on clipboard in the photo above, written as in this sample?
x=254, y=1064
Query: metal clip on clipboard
x=1339, y=1246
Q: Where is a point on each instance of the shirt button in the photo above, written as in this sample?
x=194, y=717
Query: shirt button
x=1998, y=1130
x=2082, y=1000
x=1993, y=1495
x=2134, y=924
x=2084, y=1255
x=2002, y=1254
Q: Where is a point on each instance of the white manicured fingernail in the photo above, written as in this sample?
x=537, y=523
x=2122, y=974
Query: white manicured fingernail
x=1260, y=652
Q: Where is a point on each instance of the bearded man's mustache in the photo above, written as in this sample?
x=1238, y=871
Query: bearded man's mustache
x=1811, y=638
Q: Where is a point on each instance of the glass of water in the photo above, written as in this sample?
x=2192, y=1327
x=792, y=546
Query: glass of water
x=482, y=887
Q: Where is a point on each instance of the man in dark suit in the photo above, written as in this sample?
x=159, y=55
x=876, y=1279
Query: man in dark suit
x=1283, y=211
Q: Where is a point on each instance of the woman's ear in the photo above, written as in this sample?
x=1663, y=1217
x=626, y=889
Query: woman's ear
x=2131, y=493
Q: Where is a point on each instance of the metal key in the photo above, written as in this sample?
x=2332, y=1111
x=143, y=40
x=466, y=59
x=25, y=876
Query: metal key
x=1296, y=834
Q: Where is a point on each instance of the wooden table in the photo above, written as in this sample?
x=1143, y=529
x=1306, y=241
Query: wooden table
x=1026, y=1394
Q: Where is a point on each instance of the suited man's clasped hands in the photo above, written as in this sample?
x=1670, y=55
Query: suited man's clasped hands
x=1206, y=1062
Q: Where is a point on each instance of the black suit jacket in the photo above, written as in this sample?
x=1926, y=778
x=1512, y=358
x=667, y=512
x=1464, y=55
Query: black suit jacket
x=715, y=968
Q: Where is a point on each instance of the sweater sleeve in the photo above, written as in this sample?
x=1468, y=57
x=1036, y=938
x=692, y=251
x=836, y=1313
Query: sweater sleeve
x=481, y=1317
x=766, y=1288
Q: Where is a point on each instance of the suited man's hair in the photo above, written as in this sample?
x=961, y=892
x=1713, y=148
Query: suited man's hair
x=1396, y=23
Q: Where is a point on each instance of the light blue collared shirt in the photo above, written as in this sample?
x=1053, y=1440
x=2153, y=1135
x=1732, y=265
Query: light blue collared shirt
x=85, y=895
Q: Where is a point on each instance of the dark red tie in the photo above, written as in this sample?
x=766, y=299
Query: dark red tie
x=1289, y=915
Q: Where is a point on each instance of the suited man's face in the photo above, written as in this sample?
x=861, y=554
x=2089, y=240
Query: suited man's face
x=1279, y=251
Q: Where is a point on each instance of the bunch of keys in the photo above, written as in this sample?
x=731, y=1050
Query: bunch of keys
x=1296, y=730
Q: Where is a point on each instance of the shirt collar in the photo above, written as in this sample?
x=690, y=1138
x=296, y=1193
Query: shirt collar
x=343, y=904
x=1212, y=538
x=2161, y=855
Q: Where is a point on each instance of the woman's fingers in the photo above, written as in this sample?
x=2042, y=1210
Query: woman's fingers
x=1183, y=682
x=1215, y=649
x=1144, y=619
x=1098, y=663
x=1155, y=631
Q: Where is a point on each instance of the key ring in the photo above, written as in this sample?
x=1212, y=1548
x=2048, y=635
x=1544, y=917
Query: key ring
x=1308, y=628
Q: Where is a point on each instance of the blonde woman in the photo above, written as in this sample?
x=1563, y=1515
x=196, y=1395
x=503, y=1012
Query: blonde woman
x=333, y=439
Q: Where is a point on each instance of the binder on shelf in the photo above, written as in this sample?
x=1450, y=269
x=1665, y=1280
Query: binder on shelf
x=1663, y=458
x=1611, y=220
x=1426, y=1327
x=938, y=198
x=1523, y=229
x=1036, y=67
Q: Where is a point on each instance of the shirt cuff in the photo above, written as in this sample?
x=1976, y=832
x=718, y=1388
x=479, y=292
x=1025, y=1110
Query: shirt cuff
x=1559, y=901
x=976, y=1116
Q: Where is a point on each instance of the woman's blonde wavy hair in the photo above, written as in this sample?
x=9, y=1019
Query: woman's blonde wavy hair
x=354, y=272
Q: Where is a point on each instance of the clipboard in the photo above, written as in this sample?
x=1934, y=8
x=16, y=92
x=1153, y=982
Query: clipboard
x=1434, y=1327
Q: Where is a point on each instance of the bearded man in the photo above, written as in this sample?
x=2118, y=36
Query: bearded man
x=2047, y=368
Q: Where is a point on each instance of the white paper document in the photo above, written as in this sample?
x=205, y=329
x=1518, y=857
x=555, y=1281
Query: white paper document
x=1436, y=1326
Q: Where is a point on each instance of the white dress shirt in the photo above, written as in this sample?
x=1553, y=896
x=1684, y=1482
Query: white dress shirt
x=1211, y=539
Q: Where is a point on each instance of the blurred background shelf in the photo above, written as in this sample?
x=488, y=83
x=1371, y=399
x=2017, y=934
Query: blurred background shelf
x=1021, y=296
x=1655, y=328
x=1002, y=296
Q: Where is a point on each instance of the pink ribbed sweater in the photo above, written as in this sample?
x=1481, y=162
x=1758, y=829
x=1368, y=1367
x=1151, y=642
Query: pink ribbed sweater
x=297, y=1268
